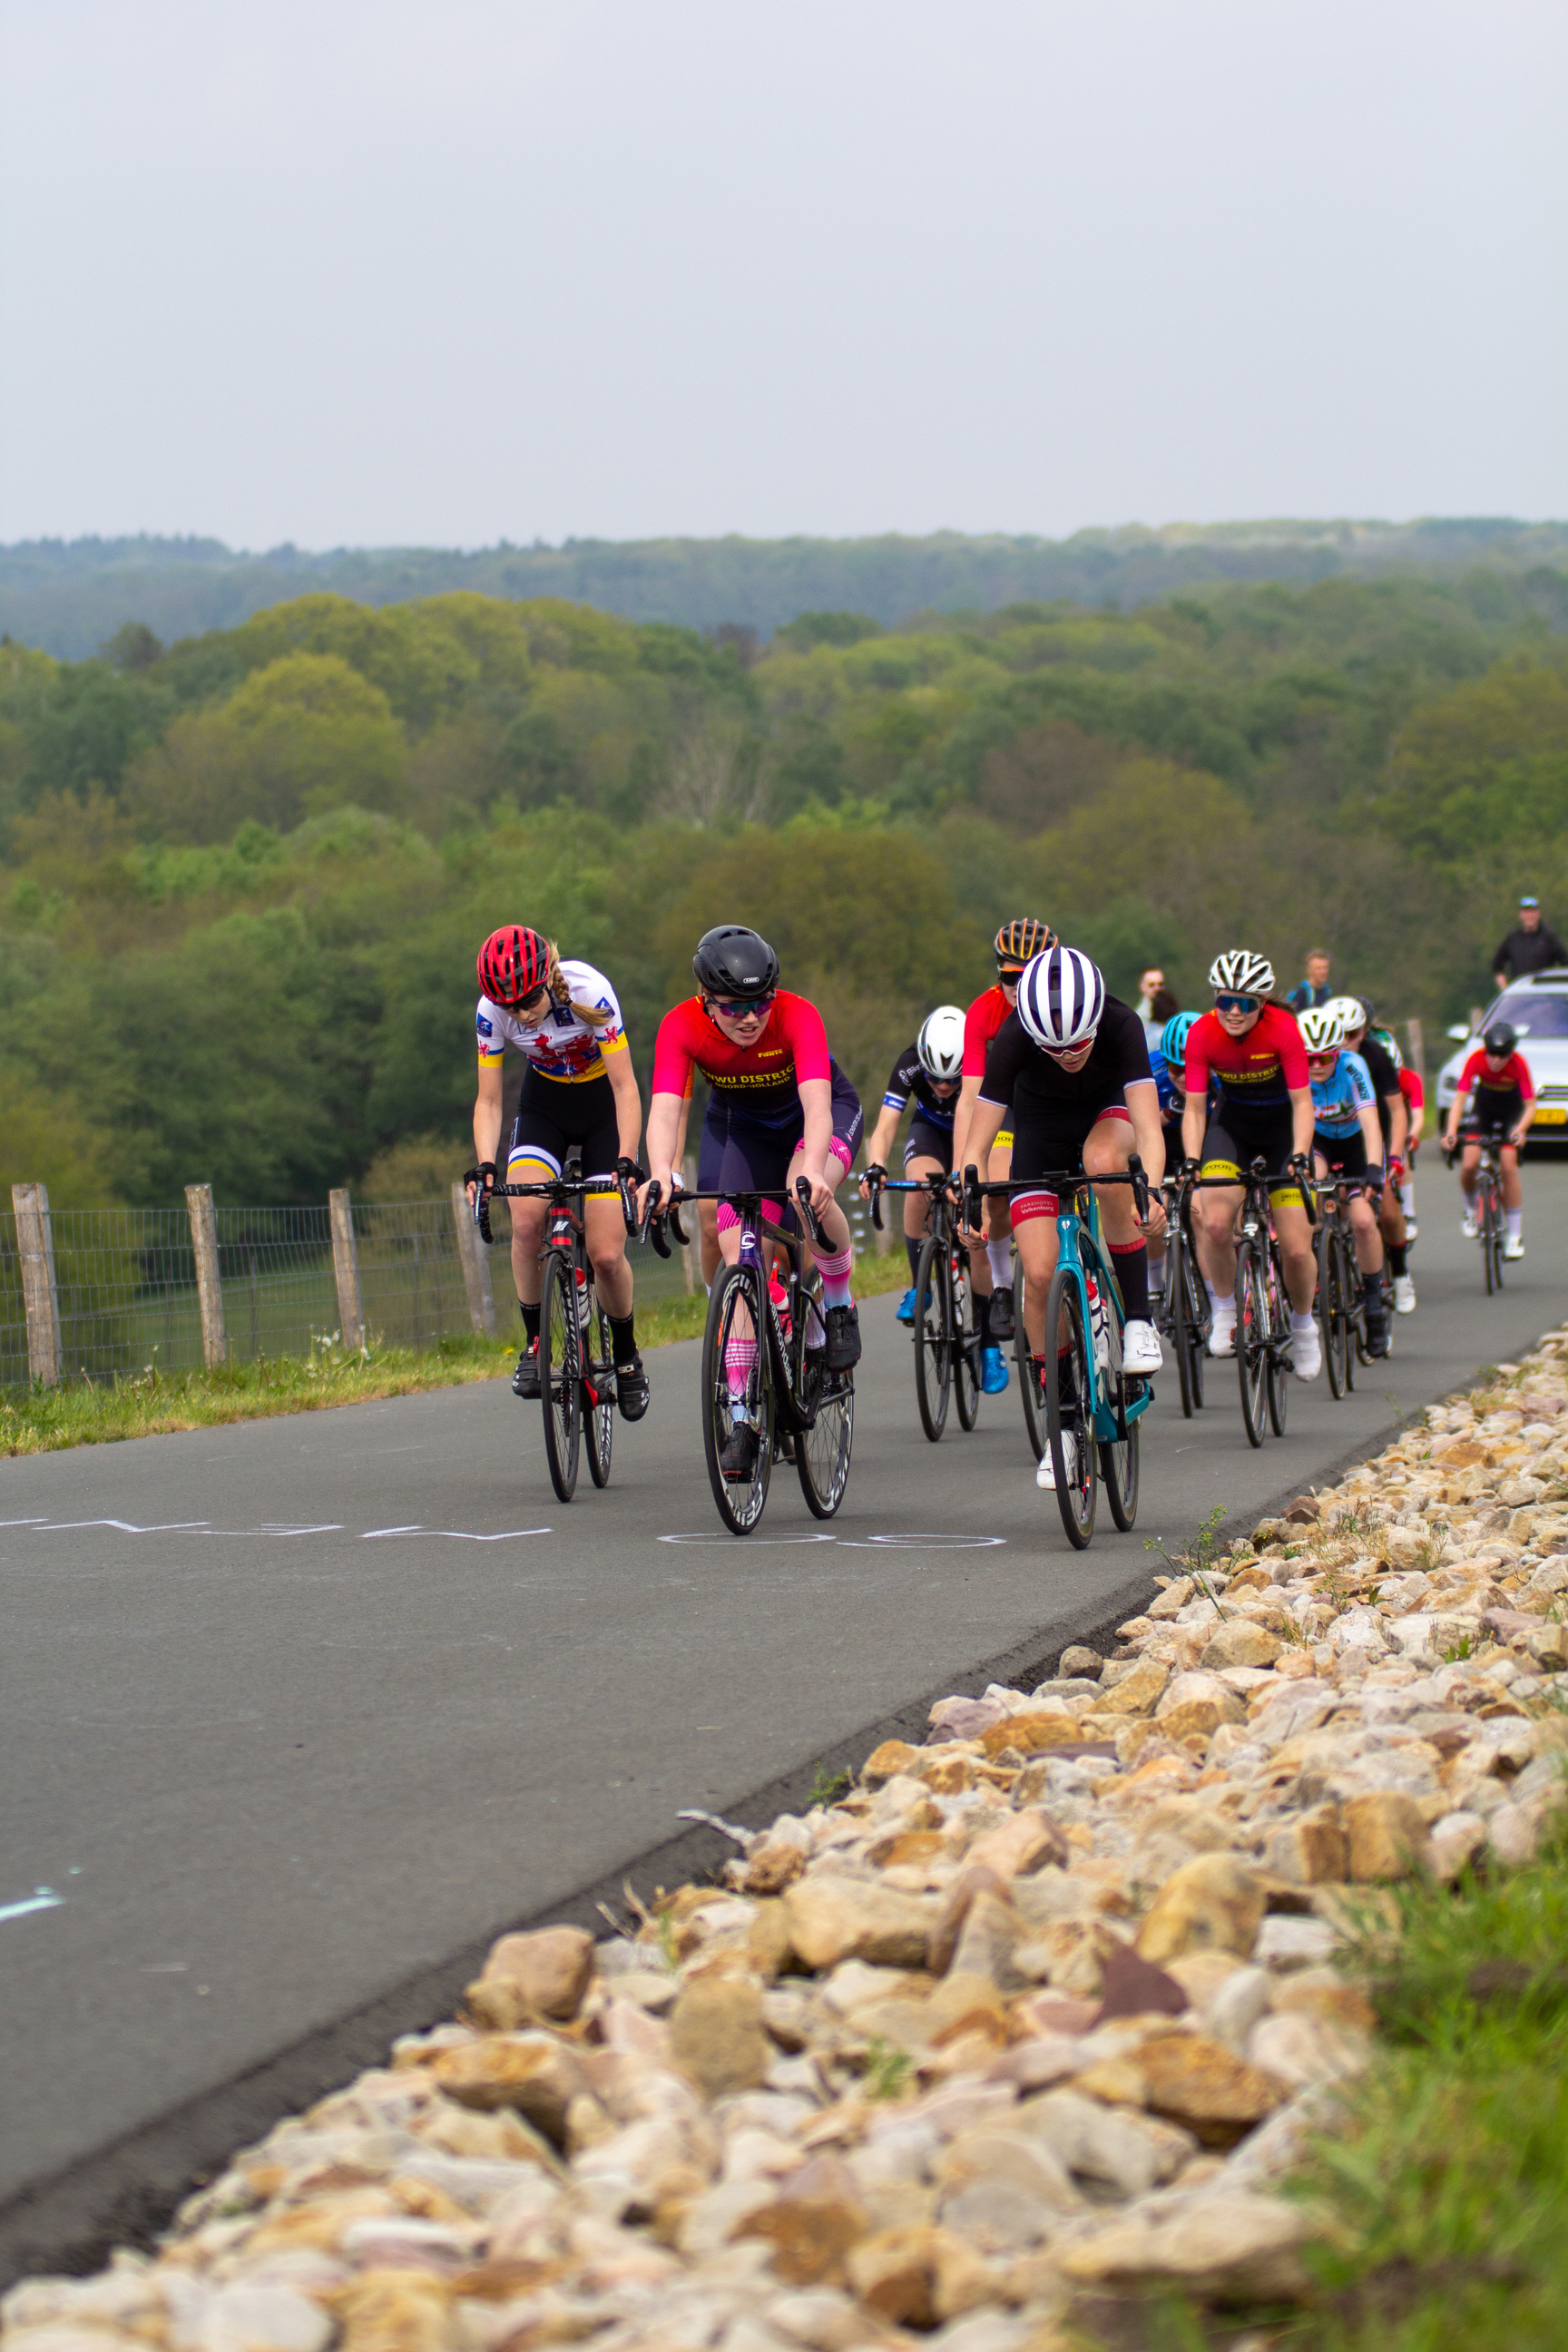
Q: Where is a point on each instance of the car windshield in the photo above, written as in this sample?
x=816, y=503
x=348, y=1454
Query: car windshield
x=1536, y=1012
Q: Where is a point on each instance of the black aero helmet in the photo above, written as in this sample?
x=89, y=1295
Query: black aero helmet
x=1501, y=1039
x=733, y=961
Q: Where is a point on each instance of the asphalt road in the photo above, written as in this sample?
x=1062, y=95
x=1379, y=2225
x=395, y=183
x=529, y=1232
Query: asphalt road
x=295, y=1714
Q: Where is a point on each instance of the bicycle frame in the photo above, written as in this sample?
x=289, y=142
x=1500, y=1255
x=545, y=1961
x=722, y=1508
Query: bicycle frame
x=788, y=1365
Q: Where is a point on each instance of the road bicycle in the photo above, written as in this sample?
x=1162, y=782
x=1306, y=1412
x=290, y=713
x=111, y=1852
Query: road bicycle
x=946, y=1343
x=1486, y=1205
x=1184, y=1316
x=1091, y=1406
x=797, y=1408
x=1263, y=1345
x=576, y=1361
x=1340, y=1302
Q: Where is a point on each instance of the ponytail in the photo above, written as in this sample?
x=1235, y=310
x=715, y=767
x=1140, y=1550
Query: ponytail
x=595, y=1015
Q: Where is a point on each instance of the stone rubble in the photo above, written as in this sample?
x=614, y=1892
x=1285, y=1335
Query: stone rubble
x=1038, y=2015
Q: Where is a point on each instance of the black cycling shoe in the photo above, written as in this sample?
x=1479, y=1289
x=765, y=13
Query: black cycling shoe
x=631, y=1388
x=1377, y=1339
x=738, y=1457
x=843, y=1337
x=525, y=1379
x=1002, y=1312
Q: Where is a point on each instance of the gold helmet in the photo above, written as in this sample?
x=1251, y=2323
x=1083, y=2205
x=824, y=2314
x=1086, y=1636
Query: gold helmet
x=1017, y=942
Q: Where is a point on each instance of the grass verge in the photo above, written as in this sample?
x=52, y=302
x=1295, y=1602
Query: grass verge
x=155, y=1403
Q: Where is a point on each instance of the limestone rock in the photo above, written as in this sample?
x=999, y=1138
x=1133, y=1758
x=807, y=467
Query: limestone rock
x=1223, y=2247
x=1201, y=2084
x=530, y=2072
x=811, y=2227
x=716, y=2035
x=887, y=1762
x=1033, y=1732
x=529, y=1977
x=397, y=2311
x=1121, y=2151
x=1312, y=1849
x=1078, y=1659
x=1240, y=1643
x=1211, y=1903
x=941, y=1942
x=1301, y=2049
x=1387, y=1835
x=1456, y=1839
x=1018, y=1846
x=1137, y=1692
x=832, y=1919
x=916, y=2278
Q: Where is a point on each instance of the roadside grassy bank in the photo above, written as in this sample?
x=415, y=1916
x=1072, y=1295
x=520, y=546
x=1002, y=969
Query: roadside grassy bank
x=153, y=1402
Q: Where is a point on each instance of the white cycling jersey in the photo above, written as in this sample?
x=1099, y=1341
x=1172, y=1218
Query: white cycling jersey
x=562, y=1046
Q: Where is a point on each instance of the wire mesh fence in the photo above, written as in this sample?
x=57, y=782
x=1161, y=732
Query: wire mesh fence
x=126, y=1282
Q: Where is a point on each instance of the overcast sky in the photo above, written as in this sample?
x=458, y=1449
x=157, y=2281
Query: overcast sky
x=355, y=271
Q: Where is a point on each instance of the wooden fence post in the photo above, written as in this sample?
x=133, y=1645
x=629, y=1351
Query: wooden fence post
x=40, y=1298
x=345, y=1267
x=1417, y=1047
x=209, y=1286
x=475, y=1260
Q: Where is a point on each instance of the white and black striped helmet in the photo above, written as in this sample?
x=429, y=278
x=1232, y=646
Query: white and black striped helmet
x=1322, y=1029
x=940, y=1044
x=1241, y=974
x=1060, y=999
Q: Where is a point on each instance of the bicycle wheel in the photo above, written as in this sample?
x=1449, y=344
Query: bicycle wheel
x=736, y=1297
x=1324, y=1306
x=560, y=1373
x=1280, y=1334
x=1494, y=1233
x=1180, y=1320
x=1252, y=1336
x=1029, y=1373
x=598, y=1393
x=933, y=1338
x=1070, y=1381
x=966, y=1361
x=1118, y=1459
x=822, y=1451
x=1198, y=1317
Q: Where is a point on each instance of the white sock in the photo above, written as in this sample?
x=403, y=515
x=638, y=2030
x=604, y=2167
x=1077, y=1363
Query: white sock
x=999, y=1258
x=1223, y=1307
x=1407, y=1199
x=1299, y=1323
x=1513, y=1219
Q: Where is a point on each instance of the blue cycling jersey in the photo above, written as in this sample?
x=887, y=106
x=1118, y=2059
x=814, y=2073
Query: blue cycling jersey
x=1339, y=1099
x=1171, y=1096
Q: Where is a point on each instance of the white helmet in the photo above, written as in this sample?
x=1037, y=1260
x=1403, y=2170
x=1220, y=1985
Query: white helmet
x=941, y=1043
x=1060, y=999
x=1322, y=1029
x=1350, y=1011
x=1240, y=972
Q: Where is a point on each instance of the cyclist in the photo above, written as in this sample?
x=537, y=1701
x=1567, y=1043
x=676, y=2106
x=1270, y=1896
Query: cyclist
x=931, y=1069
x=1495, y=1099
x=1348, y=1142
x=1168, y=1061
x=1074, y=1063
x=1382, y=1056
x=578, y=1088
x=1414, y=1092
x=1252, y=1050
x=992, y=1263
x=778, y=1107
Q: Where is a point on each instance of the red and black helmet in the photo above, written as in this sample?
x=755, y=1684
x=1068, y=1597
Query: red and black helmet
x=512, y=964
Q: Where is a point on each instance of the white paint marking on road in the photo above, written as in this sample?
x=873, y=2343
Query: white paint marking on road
x=461, y=1535
x=371, y=1534
x=921, y=1543
x=24, y=1523
x=128, y=1526
x=753, y=1543
x=43, y=1899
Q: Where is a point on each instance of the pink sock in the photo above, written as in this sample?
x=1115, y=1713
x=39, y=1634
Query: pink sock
x=740, y=1355
x=835, y=1274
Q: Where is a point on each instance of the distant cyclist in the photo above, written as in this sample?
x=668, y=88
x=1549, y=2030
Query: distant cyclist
x=932, y=1070
x=1412, y=1086
x=1347, y=1142
x=1251, y=1049
x=778, y=1107
x=991, y=1263
x=578, y=1090
x=1168, y=1061
x=1073, y=1063
x=1495, y=1099
x=1382, y=1056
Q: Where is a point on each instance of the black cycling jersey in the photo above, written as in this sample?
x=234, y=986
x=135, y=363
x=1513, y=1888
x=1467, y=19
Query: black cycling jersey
x=911, y=1077
x=1017, y=1072
x=1385, y=1080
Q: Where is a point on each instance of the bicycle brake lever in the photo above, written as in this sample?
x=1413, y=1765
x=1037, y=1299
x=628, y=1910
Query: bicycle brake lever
x=803, y=1194
x=672, y=1218
x=874, y=1187
x=1139, y=1187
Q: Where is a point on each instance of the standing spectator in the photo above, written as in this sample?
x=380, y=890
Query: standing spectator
x=1314, y=990
x=1150, y=983
x=1530, y=947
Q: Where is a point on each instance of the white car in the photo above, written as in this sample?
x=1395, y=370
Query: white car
x=1538, y=1008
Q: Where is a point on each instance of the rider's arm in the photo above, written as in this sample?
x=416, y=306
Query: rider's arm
x=984, y=1129
x=881, y=1140
x=1372, y=1134
x=1304, y=1118
x=1527, y=1088
x=816, y=1103
x=968, y=1095
x=663, y=1136
x=488, y=1113
x=1143, y=1102
x=1398, y=1124
x=628, y=1104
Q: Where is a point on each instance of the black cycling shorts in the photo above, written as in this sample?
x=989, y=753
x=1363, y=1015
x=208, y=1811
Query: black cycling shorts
x=1492, y=1114
x=1343, y=1155
x=927, y=1142
x=743, y=1154
x=556, y=1114
x=1232, y=1142
x=1052, y=1144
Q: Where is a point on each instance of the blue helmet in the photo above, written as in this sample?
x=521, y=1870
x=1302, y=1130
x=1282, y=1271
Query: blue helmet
x=1174, y=1040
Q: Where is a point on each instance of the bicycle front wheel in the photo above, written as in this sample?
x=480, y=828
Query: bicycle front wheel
x=822, y=1449
x=934, y=1339
x=1326, y=1306
x=1118, y=1459
x=1280, y=1334
x=1029, y=1370
x=965, y=1359
x=560, y=1373
x=1252, y=1337
x=1493, y=1242
x=734, y=1335
x=1069, y=1392
x=598, y=1393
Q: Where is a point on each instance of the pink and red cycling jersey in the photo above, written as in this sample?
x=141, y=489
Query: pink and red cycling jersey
x=981, y=1022
x=1493, y=1089
x=760, y=1080
x=1255, y=1073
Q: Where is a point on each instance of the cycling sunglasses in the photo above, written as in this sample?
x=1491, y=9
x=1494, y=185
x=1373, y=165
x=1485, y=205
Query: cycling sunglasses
x=522, y=1003
x=1008, y=975
x=737, y=1009
x=1235, y=1004
x=1331, y=1054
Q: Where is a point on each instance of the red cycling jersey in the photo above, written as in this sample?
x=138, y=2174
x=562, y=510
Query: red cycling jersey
x=760, y=1080
x=1513, y=1078
x=1255, y=1072
x=1411, y=1087
x=981, y=1022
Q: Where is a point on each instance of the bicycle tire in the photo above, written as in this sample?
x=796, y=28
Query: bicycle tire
x=737, y=1288
x=1119, y=1457
x=1280, y=1373
x=1180, y=1320
x=560, y=1373
x=822, y=1449
x=1066, y=1414
x=1323, y=1305
x=1494, y=1238
x=934, y=1339
x=1251, y=1338
x=1030, y=1377
x=966, y=1391
x=598, y=1393
x=1199, y=1320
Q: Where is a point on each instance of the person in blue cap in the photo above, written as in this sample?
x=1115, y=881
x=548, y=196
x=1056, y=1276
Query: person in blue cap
x=1530, y=946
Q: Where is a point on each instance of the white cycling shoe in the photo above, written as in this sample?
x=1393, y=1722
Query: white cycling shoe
x=1307, y=1354
x=1140, y=1349
x=1046, y=1476
x=1468, y=1226
x=1411, y=1228
x=1404, y=1295
x=1514, y=1248
x=1221, y=1338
